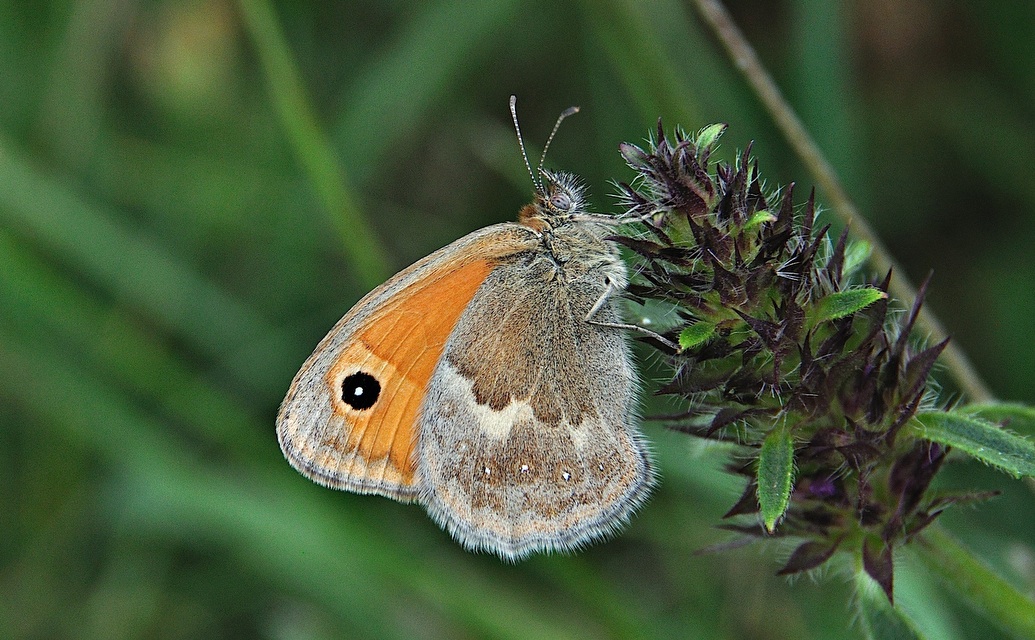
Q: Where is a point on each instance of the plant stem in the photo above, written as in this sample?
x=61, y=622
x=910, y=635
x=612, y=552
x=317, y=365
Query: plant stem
x=747, y=62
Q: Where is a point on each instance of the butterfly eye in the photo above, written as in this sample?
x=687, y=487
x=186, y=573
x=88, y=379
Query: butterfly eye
x=360, y=390
x=561, y=201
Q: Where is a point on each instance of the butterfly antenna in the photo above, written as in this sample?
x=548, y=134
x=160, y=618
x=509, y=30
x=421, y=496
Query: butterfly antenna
x=570, y=111
x=521, y=143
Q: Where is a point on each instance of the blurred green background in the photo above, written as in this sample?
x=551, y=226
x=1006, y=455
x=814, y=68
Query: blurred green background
x=173, y=245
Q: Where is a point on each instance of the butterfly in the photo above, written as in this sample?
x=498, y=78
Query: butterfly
x=491, y=382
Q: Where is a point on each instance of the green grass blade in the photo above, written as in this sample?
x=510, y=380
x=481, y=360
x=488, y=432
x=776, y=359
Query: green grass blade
x=977, y=584
x=312, y=145
x=111, y=342
x=445, y=40
x=136, y=269
x=263, y=515
x=649, y=78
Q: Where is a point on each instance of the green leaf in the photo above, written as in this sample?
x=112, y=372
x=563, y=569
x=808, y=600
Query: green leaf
x=709, y=135
x=759, y=218
x=696, y=334
x=1019, y=417
x=775, y=476
x=844, y=303
x=877, y=617
x=856, y=254
x=979, y=438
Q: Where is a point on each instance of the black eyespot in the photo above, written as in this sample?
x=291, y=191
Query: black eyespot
x=360, y=390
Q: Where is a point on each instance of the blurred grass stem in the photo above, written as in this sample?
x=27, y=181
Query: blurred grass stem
x=977, y=584
x=312, y=145
x=747, y=62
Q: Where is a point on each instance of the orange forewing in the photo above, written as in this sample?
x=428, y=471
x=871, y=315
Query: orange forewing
x=399, y=345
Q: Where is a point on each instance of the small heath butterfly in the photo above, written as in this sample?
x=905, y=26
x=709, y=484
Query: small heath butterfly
x=489, y=382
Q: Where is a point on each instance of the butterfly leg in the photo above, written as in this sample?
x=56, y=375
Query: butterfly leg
x=610, y=291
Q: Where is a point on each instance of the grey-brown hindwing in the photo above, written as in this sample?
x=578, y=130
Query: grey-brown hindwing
x=527, y=437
